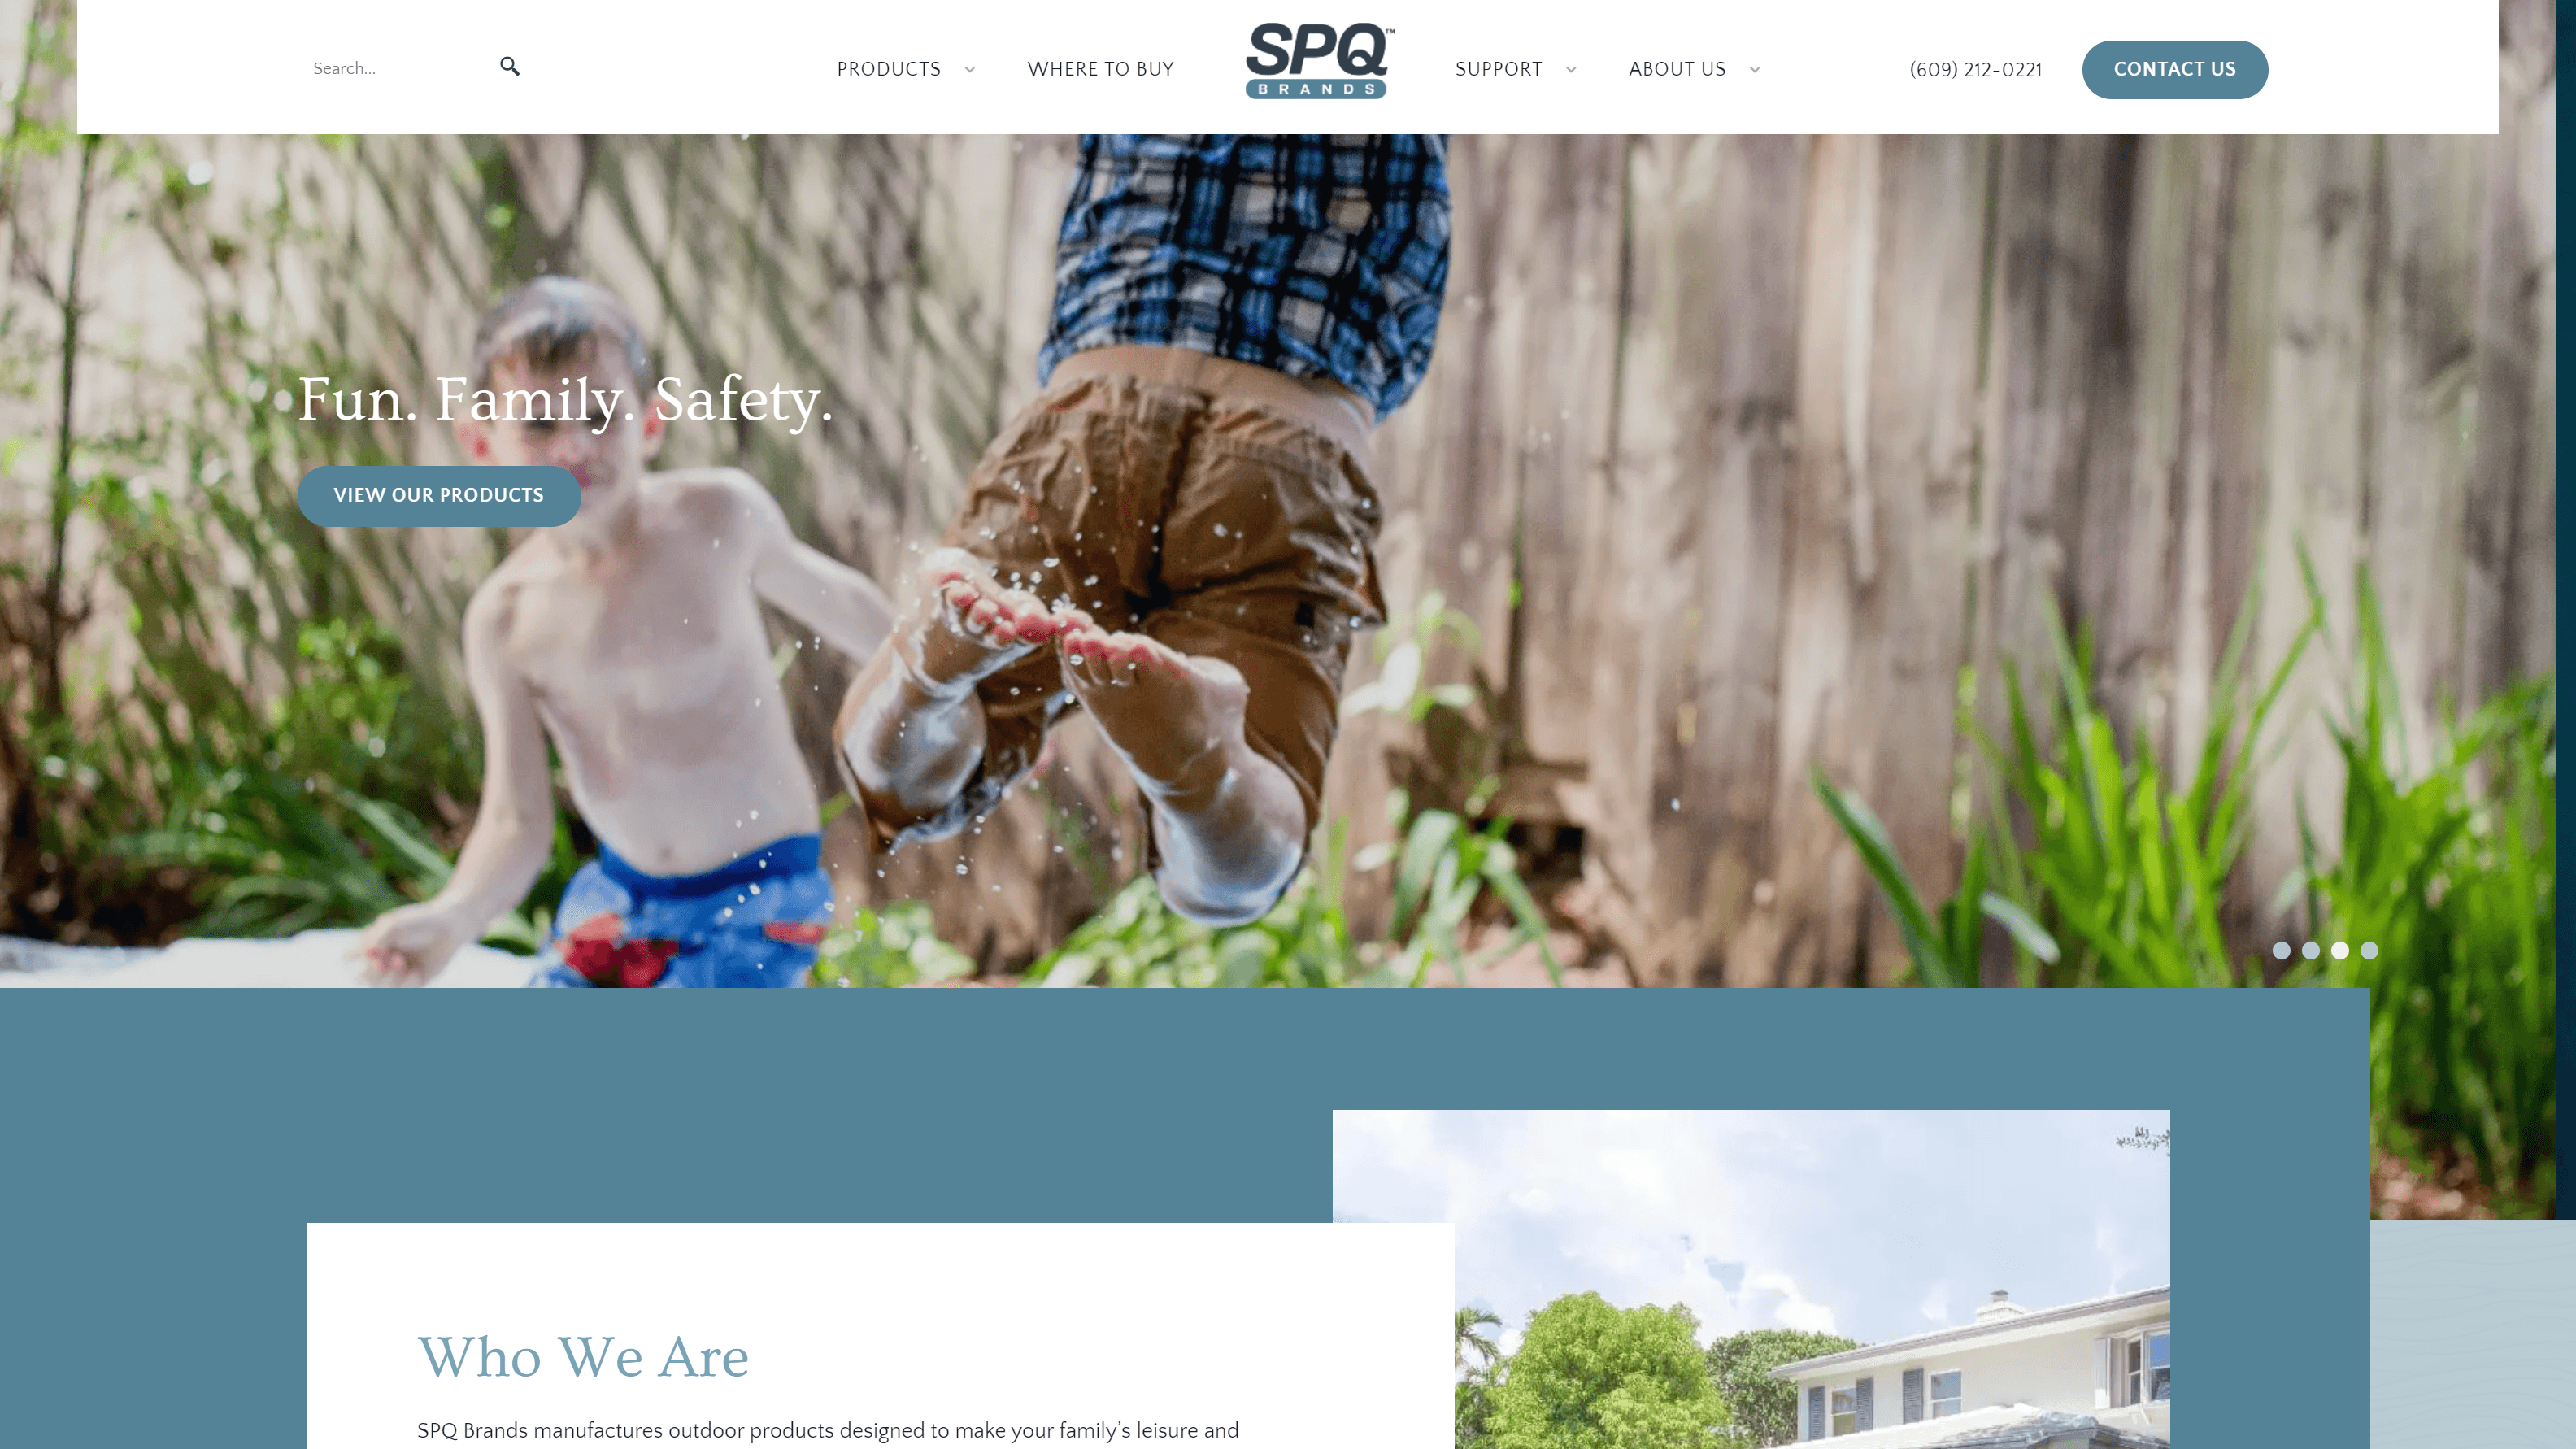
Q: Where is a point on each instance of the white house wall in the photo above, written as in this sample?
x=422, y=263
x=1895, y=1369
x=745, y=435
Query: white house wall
x=2053, y=1372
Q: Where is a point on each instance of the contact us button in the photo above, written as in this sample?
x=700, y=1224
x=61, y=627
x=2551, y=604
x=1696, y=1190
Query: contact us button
x=2175, y=70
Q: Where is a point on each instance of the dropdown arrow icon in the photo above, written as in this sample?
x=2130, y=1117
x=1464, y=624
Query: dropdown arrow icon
x=970, y=70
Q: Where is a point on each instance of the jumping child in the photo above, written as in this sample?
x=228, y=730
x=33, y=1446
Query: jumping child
x=1177, y=533
x=631, y=636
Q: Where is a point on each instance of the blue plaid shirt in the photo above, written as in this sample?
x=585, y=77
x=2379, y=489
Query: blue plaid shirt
x=1315, y=256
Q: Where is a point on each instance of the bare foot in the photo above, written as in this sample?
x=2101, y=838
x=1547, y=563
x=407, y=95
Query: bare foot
x=962, y=625
x=1228, y=821
x=1171, y=715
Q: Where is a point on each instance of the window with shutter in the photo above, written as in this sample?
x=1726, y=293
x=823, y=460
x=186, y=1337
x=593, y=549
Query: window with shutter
x=1946, y=1394
x=1912, y=1391
x=1860, y=1406
x=1816, y=1413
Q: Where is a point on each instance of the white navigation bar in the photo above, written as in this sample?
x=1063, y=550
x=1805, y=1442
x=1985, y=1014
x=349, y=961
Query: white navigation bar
x=777, y=66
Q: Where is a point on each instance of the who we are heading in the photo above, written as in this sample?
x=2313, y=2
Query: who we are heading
x=576, y=401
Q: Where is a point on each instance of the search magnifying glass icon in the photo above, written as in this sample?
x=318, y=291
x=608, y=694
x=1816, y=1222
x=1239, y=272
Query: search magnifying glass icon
x=509, y=65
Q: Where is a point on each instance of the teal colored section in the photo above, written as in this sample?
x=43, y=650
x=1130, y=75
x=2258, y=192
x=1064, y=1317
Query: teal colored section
x=1292, y=88
x=161, y=1152
x=2472, y=1334
x=2176, y=70
x=438, y=496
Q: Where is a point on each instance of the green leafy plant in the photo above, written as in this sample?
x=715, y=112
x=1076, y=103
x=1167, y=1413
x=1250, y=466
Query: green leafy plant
x=1136, y=940
x=1402, y=686
x=1942, y=941
x=2448, y=872
x=891, y=945
x=1472, y=1397
x=1762, y=1408
x=1442, y=866
x=280, y=855
x=2100, y=872
x=1591, y=1376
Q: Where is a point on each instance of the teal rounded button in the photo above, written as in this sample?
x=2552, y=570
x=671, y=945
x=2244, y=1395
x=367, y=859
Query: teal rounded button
x=438, y=496
x=2176, y=70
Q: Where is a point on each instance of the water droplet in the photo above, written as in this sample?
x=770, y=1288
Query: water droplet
x=961, y=867
x=1050, y=563
x=1220, y=530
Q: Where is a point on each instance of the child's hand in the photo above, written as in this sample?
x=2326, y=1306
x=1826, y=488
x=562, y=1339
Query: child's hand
x=408, y=946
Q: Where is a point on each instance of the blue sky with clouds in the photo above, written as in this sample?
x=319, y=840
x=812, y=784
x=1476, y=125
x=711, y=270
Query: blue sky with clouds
x=1873, y=1225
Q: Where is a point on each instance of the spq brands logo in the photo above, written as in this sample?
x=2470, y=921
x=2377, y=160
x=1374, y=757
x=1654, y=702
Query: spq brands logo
x=1281, y=53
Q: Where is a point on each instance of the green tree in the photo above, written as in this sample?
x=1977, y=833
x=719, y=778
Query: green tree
x=1475, y=1411
x=1764, y=1409
x=1468, y=1336
x=1474, y=1391
x=1590, y=1376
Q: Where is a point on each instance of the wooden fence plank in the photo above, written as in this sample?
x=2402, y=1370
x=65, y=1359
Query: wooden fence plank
x=1706, y=462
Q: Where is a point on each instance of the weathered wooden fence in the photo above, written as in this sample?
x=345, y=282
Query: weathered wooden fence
x=1738, y=449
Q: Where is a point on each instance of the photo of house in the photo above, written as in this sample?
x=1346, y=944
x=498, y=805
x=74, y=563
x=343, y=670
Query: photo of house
x=2097, y=1372
x=1645, y=1279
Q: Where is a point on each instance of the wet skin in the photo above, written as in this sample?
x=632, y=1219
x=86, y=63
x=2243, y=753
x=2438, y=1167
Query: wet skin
x=632, y=638
x=1229, y=823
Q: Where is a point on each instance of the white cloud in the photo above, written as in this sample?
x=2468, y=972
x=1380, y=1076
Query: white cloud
x=1787, y=1306
x=1823, y=1221
x=2118, y=1263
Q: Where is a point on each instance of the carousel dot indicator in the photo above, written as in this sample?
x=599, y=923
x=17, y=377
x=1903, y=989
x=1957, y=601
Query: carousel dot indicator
x=2309, y=950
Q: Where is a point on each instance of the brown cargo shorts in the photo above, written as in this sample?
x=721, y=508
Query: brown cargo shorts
x=1221, y=509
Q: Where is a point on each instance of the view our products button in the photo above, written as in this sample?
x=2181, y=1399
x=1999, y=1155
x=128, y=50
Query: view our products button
x=2175, y=70
x=438, y=496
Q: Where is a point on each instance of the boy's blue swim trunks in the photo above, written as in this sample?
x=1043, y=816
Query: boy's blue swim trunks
x=755, y=922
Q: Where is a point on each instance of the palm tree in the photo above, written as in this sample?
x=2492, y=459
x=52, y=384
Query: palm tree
x=1469, y=1337
x=1474, y=1391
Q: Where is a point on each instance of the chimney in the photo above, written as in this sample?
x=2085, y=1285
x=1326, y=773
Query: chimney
x=2001, y=1308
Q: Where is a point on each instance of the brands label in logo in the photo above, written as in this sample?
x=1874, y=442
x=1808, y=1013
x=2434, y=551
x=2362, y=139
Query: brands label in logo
x=1281, y=54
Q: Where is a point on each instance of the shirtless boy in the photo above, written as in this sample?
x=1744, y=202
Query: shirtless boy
x=632, y=638
x=1177, y=533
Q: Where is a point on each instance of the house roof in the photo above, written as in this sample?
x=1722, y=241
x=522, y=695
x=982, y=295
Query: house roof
x=2000, y=1330
x=2006, y=1426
